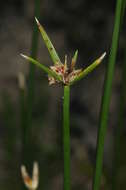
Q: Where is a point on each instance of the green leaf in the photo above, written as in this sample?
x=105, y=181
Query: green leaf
x=48, y=43
x=44, y=68
x=89, y=69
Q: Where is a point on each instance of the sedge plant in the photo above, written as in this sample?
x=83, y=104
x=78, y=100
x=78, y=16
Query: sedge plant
x=66, y=76
x=119, y=130
x=31, y=75
x=106, y=98
x=121, y=116
x=27, y=96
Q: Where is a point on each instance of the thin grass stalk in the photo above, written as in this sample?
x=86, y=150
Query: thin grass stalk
x=119, y=129
x=106, y=99
x=30, y=94
x=31, y=77
x=123, y=10
x=121, y=119
x=66, y=137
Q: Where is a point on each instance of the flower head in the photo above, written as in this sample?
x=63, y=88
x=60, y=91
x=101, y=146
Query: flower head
x=67, y=74
x=59, y=72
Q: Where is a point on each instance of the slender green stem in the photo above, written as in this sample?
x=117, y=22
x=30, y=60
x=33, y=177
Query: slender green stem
x=121, y=119
x=30, y=95
x=66, y=137
x=31, y=81
x=106, y=99
x=123, y=10
x=119, y=129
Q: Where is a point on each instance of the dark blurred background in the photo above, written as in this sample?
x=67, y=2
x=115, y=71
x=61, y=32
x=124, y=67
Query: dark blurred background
x=85, y=25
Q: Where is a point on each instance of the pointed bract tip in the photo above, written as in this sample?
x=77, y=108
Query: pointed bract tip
x=65, y=58
x=37, y=21
x=75, y=55
x=76, y=51
x=23, y=170
x=24, y=56
x=102, y=56
x=21, y=80
x=35, y=166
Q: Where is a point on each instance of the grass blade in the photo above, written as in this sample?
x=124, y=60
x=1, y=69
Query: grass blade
x=48, y=43
x=43, y=67
x=106, y=99
x=89, y=69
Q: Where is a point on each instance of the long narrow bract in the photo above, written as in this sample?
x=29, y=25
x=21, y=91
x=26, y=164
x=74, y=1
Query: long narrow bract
x=48, y=43
x=44, y=68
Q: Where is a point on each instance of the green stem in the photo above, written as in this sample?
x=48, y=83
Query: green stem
x=106, y=99
x=30, y=95
x=31, y=81
x=119, y=129
x=123, y=10
x=121, y=119
x=66, y=137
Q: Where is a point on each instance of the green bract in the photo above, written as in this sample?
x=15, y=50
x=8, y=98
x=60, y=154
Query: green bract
x=59, y=72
